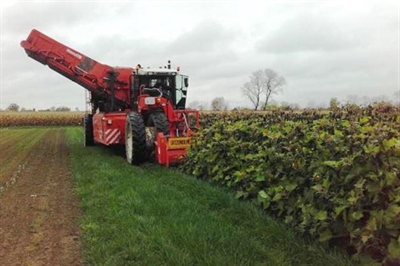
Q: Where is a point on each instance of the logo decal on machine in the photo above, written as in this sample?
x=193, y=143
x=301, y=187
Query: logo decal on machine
x=178, y=143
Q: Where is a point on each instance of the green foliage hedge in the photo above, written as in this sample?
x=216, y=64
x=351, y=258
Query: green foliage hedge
x=333, y=176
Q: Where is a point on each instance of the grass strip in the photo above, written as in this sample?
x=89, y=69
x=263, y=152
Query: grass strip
x=151, y=215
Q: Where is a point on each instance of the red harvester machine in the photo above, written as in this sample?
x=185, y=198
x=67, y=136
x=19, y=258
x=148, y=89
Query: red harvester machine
x=142, y=109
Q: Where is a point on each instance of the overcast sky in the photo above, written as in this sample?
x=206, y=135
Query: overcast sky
x=323, y=49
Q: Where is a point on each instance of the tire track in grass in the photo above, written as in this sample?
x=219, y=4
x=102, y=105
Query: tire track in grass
x=39, y=213
x=7, y=134
x=13, y=154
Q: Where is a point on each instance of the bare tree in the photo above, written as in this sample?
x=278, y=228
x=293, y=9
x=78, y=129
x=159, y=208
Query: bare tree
x=334, y=104
x=252, y=90
x=288, y=106
x=218, y=104
x=365, y=100
x=294, y=106
x=380, y=98
x=322, y=105
x=198, y=105
x=284, y=104
x=271, y=102
x=63, y=109
x=13, y=107
x=193, y=104
x=202, y=106
x=353, y=99
x=265, y=81
x=273, y=84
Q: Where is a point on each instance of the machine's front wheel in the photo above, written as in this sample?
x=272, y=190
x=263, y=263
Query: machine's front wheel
x=157, y=122
x=135, y=139
x=88, y=138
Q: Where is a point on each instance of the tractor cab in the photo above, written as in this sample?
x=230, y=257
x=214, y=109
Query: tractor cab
x=163, y=82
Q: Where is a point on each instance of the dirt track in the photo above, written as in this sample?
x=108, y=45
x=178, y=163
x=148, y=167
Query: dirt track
x=39, y=212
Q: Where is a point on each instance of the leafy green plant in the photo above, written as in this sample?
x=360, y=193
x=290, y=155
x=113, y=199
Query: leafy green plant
x=334, y=176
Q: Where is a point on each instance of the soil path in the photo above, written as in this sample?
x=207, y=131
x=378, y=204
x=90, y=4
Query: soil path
x=39, y=213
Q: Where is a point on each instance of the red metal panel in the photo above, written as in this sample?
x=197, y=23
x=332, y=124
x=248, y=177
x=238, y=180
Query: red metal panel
x=98, y=127
x=165, y=155
x=76, y=66
x=109, y=128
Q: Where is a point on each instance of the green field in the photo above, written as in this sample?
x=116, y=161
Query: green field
x=150, y=215
x=331, y=177
x=147, y=215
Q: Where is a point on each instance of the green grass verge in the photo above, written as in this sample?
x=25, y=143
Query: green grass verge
x=150, y=215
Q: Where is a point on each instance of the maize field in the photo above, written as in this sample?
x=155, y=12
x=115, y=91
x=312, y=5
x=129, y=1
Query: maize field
x=25, y=119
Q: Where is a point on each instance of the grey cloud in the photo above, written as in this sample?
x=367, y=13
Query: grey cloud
x=207, y=51
x=323, y=50
x=200, y=50
x=118, y=50
x=304, y=33
x=208, y=36
x=41, y=88
x=44, y=15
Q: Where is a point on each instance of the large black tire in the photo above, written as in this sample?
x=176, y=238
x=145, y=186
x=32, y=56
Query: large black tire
x=135, y=139
x=156, y=122
x=159, y=121
x=88, y=138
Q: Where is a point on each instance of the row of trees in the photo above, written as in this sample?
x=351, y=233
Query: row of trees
x=263, y=84
x=16, y=108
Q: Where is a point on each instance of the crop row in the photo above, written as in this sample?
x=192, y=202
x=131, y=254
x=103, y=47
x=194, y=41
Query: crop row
x=16, y=119
x=379, y=112
x=333, y=176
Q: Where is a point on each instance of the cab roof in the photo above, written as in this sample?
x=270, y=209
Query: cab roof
x=156, y=71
